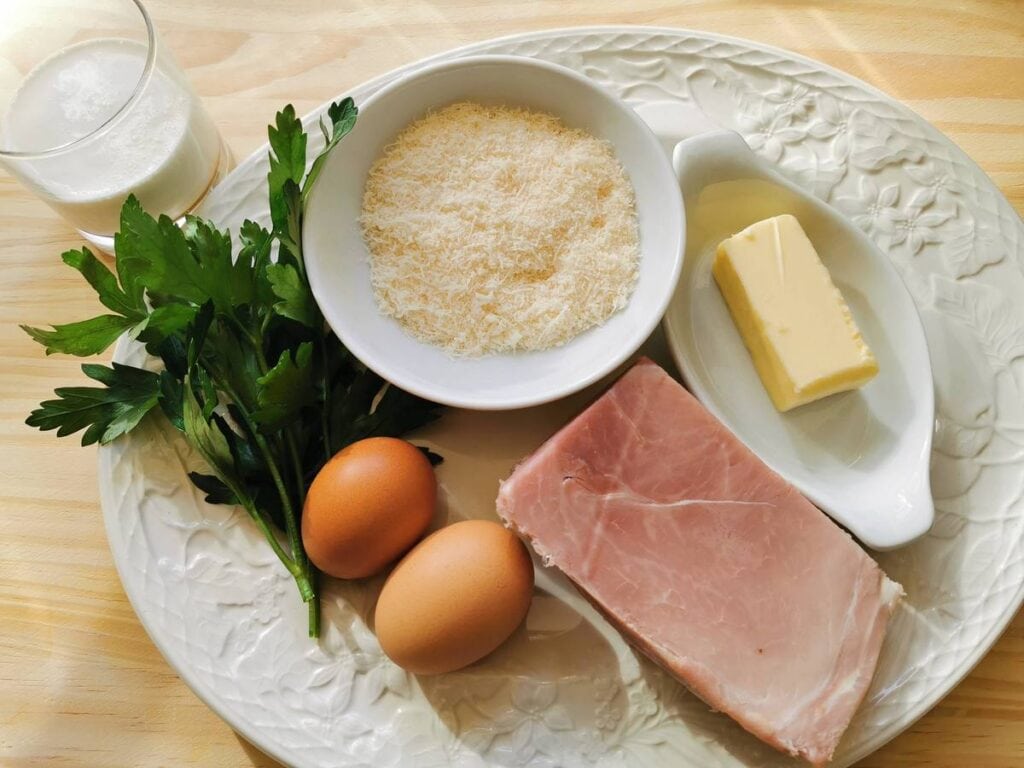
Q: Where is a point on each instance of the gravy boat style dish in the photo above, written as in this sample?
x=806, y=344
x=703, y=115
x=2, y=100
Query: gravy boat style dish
x=862, y=456
x=338, y=262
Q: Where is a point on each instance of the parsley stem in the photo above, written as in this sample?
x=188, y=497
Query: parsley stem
x=294, y=224
x=271, y=537
x=289, y=434
x=290, y=518
x=250, y=506
x=254, y=341
x=298, y=558
x=303, y=578
x=325, y=421
x=314, y=606
x=293, y=452
x=261, y=359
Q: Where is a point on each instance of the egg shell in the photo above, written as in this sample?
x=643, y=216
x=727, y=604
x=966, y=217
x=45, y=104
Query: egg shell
x=367, y=506
x=454, y=598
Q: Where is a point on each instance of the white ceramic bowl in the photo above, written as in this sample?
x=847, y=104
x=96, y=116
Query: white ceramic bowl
x=337, y=258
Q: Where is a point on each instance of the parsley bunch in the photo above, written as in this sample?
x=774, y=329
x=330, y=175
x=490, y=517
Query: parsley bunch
x=251, y=376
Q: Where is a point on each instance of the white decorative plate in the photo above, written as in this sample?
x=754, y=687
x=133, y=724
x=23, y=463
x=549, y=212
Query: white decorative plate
x=566, y=690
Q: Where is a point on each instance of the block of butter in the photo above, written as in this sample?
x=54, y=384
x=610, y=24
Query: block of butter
x=793, y=320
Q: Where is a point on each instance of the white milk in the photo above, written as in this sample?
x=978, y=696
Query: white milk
x=164, y=147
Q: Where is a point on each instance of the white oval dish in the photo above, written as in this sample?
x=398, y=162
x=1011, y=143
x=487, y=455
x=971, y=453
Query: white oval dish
x=337, y=257
x=862, y=456
x=223, y=611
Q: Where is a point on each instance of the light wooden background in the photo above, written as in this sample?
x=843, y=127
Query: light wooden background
x=80, y=683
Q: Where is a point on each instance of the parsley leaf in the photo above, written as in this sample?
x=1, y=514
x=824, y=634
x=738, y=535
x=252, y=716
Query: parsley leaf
x=92, y=336
x=164, y=321
x=191, y=264
x=84, y=338
x=342, y=115
x=285, y=389
x=206, y=434
x=294, y=297
x=362, y=404
x=214, y=488
x=287, y=166
x=156, y=254
x=105, y=413
x=257, y=243
x=171, y=396
x=227, y=283
x=105, y=284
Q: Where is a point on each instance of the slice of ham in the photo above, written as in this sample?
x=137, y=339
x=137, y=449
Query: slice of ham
x=707, y=561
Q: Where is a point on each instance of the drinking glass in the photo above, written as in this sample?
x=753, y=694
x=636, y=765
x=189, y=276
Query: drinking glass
x=94, y=108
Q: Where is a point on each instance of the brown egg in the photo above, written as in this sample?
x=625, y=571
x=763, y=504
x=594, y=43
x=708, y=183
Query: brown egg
x=368, y=504
x=454, y=598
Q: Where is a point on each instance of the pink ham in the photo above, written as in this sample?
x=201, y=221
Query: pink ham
x=708, y=562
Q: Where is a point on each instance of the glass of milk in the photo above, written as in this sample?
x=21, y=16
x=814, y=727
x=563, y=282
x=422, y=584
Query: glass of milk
x=93, y=108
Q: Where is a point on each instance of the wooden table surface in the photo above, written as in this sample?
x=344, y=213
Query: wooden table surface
x=80, y=682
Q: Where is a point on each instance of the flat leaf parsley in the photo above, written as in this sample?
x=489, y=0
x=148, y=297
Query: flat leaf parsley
x=251, y=376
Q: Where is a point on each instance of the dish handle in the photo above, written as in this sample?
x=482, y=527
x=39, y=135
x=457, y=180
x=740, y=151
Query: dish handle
x=701, y=150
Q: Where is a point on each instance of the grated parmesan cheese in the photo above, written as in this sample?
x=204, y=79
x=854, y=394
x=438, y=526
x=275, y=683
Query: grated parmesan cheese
x=497, y=229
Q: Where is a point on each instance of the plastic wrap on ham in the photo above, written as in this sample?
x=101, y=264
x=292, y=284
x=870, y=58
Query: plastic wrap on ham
x=707, y=561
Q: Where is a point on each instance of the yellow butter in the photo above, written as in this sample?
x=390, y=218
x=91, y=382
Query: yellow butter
x=793, y=320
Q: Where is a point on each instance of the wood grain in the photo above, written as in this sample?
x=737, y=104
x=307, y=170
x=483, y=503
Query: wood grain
x=80, y=683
